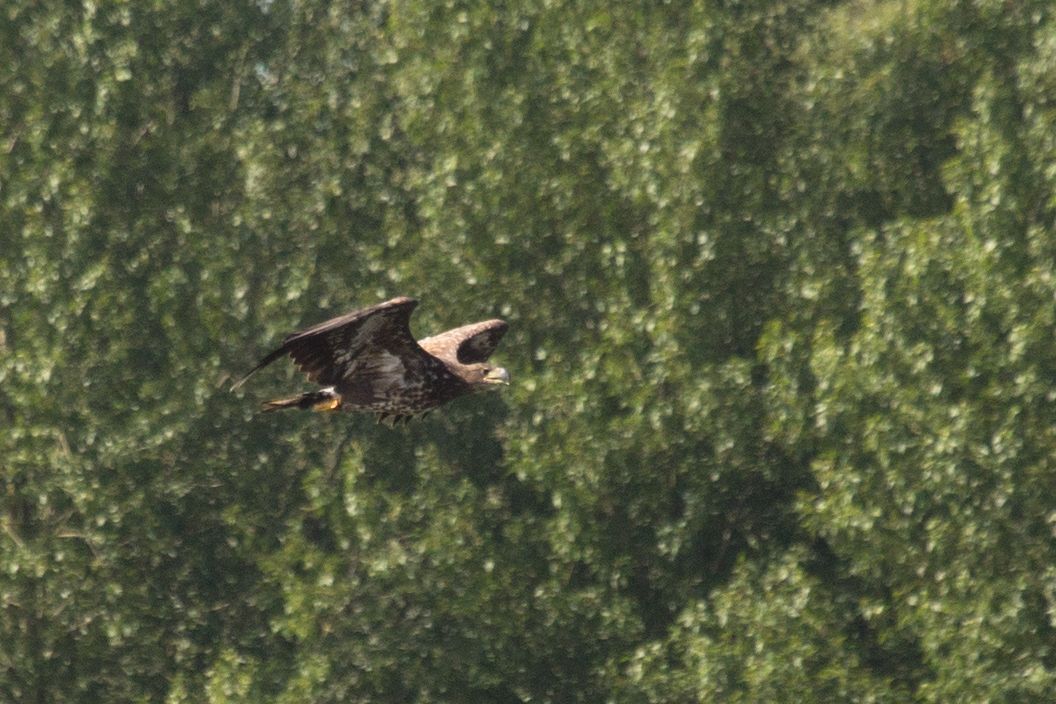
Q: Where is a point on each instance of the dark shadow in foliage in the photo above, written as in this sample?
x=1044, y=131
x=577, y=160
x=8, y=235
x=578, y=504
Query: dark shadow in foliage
x=466, y=437
x=489, y=468
x=392, y=466
x=890, y=651
x=757, y=517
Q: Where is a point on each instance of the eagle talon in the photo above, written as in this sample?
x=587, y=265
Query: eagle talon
x=388, y=419
x=330, y=404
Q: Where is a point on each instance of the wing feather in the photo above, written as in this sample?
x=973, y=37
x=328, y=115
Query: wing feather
x=467, y=344
x=335, y=349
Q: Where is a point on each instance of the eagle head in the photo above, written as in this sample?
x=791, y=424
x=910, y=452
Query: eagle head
x=484, y=376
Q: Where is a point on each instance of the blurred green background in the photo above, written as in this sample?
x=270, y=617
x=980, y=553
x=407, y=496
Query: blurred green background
x=781, y=279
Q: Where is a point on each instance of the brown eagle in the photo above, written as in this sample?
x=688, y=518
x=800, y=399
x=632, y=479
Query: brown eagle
x=367, y=360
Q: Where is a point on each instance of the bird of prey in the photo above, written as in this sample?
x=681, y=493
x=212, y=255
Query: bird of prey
x=367, y=360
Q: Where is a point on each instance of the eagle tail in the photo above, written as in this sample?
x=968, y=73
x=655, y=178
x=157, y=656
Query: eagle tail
x=325, y=400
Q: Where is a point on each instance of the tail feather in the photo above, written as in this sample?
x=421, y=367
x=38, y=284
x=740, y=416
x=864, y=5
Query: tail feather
x=325, y=400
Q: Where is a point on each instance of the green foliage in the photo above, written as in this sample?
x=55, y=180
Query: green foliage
x=780, y=279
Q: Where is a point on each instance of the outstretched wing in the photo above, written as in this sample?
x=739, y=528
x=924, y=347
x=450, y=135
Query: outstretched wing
x=468, y=344
x=374, y=340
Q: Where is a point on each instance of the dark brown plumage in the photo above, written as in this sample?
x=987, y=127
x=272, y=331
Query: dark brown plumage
x=367, y=360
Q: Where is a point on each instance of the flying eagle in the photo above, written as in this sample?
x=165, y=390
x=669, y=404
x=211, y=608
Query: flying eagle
x=367, y=360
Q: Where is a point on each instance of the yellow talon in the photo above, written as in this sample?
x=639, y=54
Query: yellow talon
x=330, y=404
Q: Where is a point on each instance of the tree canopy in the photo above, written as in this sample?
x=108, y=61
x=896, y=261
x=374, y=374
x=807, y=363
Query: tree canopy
x=781, y=280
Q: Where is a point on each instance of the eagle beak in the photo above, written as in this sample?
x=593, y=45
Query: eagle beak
x=498, y=375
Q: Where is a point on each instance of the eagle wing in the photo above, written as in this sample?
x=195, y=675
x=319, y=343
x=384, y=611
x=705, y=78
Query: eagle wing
x=468, y=344
x=372, y=345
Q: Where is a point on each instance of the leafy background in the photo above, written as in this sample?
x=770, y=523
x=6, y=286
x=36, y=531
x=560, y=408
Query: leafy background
x=781, y=281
